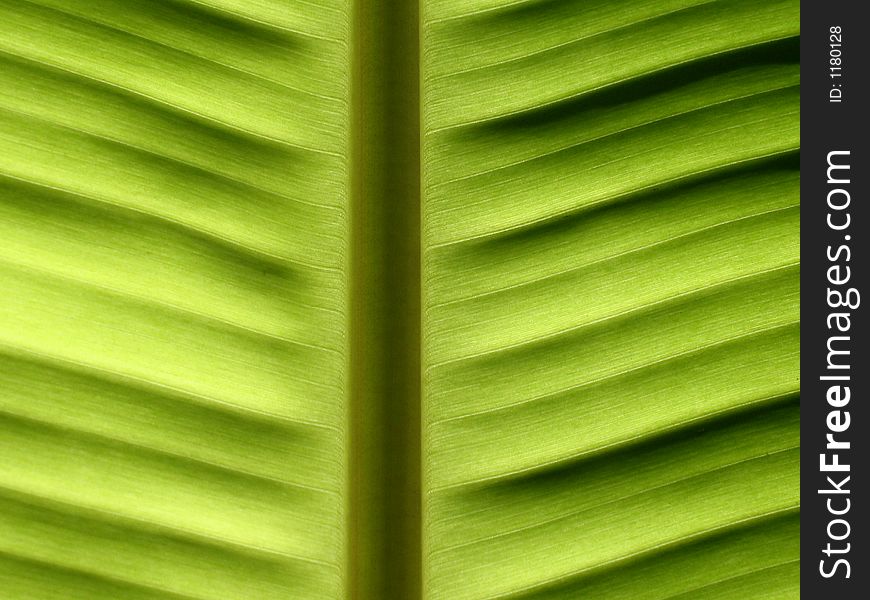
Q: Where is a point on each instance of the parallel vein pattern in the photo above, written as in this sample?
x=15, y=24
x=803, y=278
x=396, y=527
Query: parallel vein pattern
x=611, y=299
x=173, y=216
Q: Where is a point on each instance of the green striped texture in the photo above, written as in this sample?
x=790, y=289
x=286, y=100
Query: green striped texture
x=611, y=280
x=173, y=216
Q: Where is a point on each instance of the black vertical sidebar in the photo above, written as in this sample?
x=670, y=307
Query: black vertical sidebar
x=834, y=366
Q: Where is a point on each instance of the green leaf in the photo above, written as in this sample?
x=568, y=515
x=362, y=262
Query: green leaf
x=242, y=254
x=173, y=328
x=611, y=299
